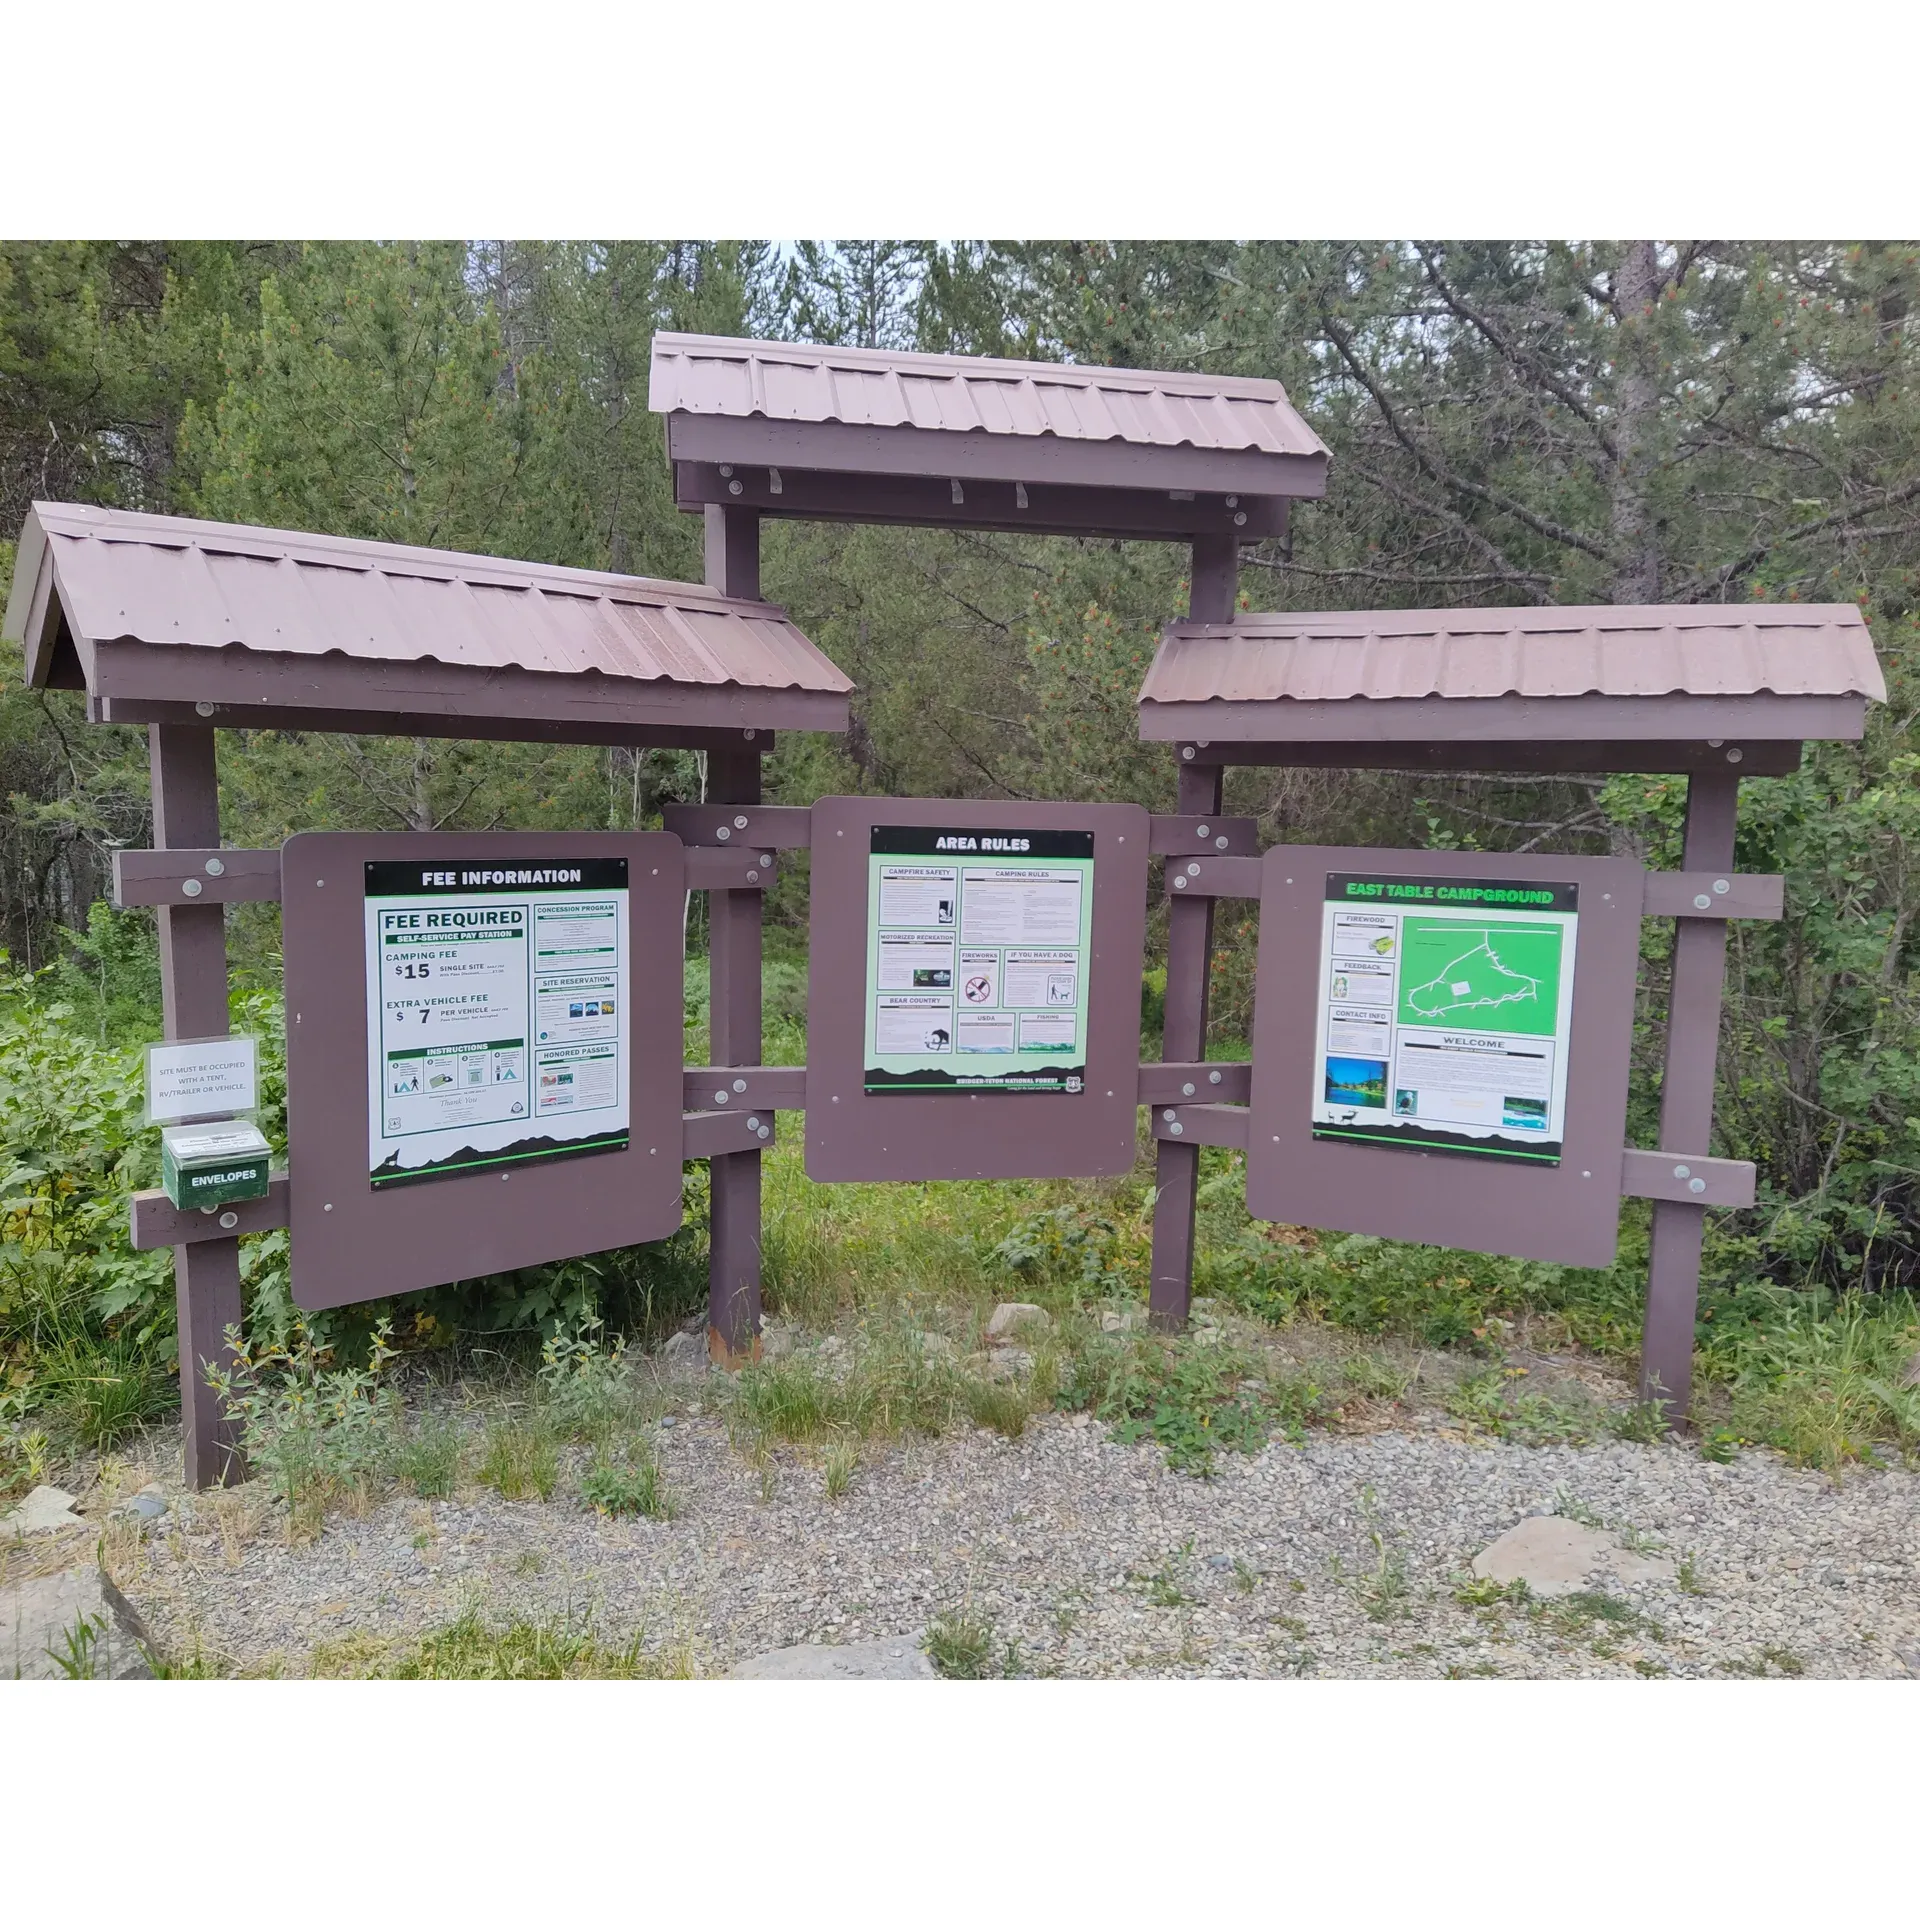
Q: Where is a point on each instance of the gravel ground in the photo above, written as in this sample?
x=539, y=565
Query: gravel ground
x=1338, y=1559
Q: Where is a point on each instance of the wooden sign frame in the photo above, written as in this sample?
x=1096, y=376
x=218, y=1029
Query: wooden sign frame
x=1569, y=1213
x=957, y=1135
x=350, y=1242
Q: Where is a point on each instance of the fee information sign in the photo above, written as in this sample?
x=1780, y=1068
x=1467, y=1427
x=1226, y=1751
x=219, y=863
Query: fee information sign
x=500, y=1026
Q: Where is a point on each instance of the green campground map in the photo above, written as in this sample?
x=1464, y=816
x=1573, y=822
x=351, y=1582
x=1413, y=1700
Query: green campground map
x=1444, y=1014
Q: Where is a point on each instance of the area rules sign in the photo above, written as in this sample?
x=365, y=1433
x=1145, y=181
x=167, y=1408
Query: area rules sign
x=973, y=997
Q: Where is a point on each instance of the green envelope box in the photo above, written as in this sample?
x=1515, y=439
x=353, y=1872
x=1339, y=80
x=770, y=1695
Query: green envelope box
x=207, y=1166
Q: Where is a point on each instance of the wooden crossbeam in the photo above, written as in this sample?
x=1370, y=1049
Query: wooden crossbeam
x=195, y=876
x=1209, y=833
x=775, y=828
x=1206, y=1124
x=727, y=870
x=154, y=1221
x=1168, y=1082
x=712, y=1136
x=769, y=1088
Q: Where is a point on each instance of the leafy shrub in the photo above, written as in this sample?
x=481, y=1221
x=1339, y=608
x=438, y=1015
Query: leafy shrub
x=585, y=1389
x=321, y=1433
x=627, y=1487
x=1194, y=1402
x=72, y=1152
x=1070, y=1250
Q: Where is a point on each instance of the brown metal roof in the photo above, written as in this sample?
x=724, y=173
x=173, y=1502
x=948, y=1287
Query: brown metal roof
x=1265, y=668
x=114, y=584
x=1202, y=430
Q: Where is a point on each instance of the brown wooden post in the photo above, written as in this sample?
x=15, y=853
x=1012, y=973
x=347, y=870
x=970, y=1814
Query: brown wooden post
x=1216, y=585
x=1686, y=1100
x=193, y=988
x=733, y=1004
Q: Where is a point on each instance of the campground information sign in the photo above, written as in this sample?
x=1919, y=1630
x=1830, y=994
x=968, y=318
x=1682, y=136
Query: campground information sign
x=502, y=1023
x=1444, y=1013
x=978, y=945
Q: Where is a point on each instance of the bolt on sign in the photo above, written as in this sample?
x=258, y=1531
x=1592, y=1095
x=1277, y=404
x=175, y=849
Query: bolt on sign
x=968, y=957
x=484, y=1038
x=1440, y=1047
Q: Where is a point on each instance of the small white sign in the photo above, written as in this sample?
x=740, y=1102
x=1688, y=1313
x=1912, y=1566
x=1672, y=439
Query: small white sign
x=201, y=1079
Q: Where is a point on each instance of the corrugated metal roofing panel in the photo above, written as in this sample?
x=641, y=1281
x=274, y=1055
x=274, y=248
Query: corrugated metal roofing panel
x=955, y=393
x=1536, y=652
x=194, y=583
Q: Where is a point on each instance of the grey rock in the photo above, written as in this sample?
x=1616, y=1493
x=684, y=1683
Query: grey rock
x=51, y=1615
x=44, y=1510
x=686, y=1349
x=667, y=1420
x=1222, y=1561
x=145, y=1506
x=1013, y=1319
x=1009, y=1364
x=1556, y=1557
x=898, y=1659
x=935, y=1344
x=1116, y=1323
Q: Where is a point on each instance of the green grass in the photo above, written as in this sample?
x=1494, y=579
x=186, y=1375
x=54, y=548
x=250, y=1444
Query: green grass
x=428, y=1459
x=1823, y=1384
x=517, y=1648
x=836, y=1471
x=960, y=1645
x=891, y=1385
x=105, y=1389
x=521, y=1459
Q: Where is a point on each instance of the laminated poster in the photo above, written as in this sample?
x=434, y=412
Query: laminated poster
x=500, y=1027
x=977, y=958
x=1445, y=1007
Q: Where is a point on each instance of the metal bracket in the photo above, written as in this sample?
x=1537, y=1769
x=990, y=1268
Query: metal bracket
x=775, y=828
x=195, y=876
x=782, y=1089
x=1209, y=833
x=721, y=869
x=1220, y=877
x=1207, y=1125
x=1169, y=1082
x=1714, y=896
x=1692, y=1179
x=154, y=1221
x=710, y=1136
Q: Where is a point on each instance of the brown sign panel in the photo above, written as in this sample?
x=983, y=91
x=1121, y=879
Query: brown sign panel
x=484, y=1052
x=974, y=989
x=1440, y=1047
